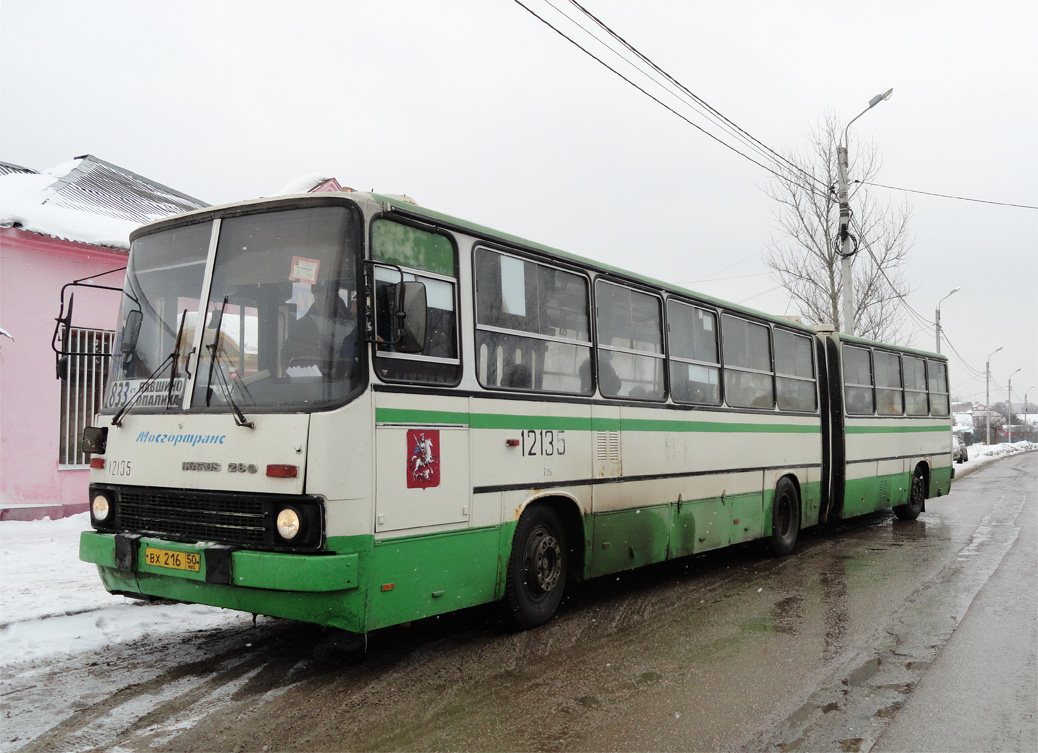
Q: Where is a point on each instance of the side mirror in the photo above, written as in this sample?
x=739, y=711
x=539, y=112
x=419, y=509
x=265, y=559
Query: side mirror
x=61, y=357
x=409, y=317
x=131, y=330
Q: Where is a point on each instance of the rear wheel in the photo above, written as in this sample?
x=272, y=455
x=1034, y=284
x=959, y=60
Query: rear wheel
x=785, y=518
x=916, y=498
x=537, y=568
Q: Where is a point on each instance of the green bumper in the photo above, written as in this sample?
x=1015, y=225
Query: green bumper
x=314, y=588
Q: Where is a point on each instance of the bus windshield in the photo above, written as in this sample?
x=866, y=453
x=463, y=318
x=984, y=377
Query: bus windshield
x=280, y=324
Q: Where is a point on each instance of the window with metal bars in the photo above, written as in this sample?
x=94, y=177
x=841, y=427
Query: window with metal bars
x=81, y=391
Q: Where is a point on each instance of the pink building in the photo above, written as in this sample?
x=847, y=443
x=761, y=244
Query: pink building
x=67, y=223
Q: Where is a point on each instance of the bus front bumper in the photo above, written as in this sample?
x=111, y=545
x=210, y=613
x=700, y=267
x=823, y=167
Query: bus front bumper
x=308, y=587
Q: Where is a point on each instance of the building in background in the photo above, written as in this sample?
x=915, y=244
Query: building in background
x=66, y=223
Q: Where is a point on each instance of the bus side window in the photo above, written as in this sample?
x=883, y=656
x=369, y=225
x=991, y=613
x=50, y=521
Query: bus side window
x=630, y=342
x=746, y=353
x=416, y=254
x=794, y=372
x=695, y=366
x=533, y=328
x=857, y=379
x=938, y=384
x=888, y=384
x=915, y=386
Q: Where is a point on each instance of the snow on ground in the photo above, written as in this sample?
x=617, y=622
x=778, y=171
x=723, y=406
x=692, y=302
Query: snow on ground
x=51, y=603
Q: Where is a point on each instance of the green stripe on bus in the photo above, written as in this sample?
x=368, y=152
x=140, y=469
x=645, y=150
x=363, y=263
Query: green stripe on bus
x=408, y=416
x=580, y=423
x=896, y=429
x=648, y=424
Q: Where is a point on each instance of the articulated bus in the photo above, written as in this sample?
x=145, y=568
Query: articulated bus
x=350, y=410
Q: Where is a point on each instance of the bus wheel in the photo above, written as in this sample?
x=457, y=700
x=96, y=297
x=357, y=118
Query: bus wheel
x=916, y=497
x=785, y=518
x=537, y=568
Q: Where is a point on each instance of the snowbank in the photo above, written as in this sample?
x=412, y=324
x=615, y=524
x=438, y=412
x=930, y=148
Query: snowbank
x=51, y=603
x=983, y=454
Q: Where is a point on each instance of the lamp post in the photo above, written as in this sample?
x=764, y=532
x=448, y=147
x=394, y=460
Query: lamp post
x=1027, y=423
x=937, y=318
x=845, y=251
x=987, y=397
x=1009, y=420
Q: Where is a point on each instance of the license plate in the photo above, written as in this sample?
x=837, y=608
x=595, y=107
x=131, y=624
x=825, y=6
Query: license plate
x=175, y=560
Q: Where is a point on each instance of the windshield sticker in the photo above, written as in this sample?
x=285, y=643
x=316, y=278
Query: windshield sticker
x=423, y=459
x=304, y=270
x=156, y=395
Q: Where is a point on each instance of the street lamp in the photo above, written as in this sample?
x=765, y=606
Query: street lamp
x=1009, y=420
x=987, y=397
x=845, y=251
x=1027, y=422
x=937, y=318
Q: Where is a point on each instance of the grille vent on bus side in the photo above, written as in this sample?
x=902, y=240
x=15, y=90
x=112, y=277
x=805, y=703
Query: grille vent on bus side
x=607, y=446
x=230, y=520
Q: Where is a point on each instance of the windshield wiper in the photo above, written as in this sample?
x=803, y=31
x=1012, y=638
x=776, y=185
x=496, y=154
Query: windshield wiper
x=117, y=419
x=175, y=355
x=214, y=355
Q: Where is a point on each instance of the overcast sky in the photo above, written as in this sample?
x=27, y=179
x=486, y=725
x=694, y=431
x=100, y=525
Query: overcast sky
x=476, y=108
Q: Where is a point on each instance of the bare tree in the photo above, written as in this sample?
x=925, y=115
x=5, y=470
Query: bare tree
x=806, y=260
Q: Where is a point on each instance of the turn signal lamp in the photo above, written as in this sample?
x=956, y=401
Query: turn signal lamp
x=282, y=471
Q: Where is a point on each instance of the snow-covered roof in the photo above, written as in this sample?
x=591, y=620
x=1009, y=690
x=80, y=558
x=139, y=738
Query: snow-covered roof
x=312, y=183
x=86, y=200
x=6, y=168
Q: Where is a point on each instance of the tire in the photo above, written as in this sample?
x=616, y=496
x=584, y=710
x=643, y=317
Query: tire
x=537, y=568
x=785, y=518
x=916, y=498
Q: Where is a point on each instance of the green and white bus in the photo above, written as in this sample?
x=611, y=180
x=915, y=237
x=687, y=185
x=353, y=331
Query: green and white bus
x=351, y=410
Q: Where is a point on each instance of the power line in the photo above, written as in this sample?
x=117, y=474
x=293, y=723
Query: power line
x=948, y=196
x=726, y=120
x=642, y=90
x=649, y=75
x=922, y=324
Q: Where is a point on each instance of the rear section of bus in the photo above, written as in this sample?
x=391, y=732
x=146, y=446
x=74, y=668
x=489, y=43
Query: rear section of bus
x=890, y=424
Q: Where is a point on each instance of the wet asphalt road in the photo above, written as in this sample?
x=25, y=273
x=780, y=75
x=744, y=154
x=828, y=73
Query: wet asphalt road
x=881, y=635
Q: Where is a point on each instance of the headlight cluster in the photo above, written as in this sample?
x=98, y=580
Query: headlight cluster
x=288, y=524
x=100, y=508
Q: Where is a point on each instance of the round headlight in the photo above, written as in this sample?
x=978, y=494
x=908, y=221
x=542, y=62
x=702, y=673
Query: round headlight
x=100, y=508
x=288, y=524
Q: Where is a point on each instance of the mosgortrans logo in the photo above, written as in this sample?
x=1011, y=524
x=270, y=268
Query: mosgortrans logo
x=149, y=437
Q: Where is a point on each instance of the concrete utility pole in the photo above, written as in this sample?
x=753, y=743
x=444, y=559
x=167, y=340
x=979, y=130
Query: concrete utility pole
x=937, y=319
x=987, y=397
x=845, y=251
x=1009, y=400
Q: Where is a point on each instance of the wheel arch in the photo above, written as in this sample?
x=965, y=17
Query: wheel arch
x=577, y=539
x=781, y=539
x=922, y=468
x=795, y=481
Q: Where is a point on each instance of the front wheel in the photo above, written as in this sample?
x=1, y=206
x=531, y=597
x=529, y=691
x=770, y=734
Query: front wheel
x=785, y=518
x=537, y=568
x=916, y=498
